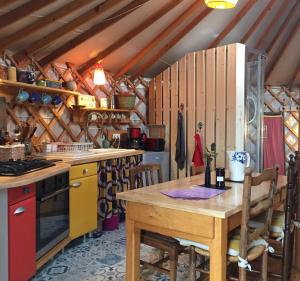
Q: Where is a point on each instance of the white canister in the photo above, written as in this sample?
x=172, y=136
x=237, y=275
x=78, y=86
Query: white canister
x=238, y=161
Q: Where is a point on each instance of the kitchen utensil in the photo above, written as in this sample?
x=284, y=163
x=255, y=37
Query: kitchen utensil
x=32, y=132
x=238, y=161
x=56, y=100
x=26, y=76
x=35, y=98
x=22, y=96
x=134, y=133
x=46, y=99
x=153, y=144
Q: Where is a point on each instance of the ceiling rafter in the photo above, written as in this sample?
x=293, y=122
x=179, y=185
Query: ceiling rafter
x=43, y=22
x=233, y=23
x=23, y=11
x=279, y=14
x=130, y=35
x=60, y=32
x=157, y=39
x=262, y=15
x=284, y=25
x=172, y=42
x=97, y=28
x=4, y=3
x=283, y=48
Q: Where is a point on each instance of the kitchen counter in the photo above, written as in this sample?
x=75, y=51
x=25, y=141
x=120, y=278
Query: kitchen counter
x=94, y=155
x=14, y=181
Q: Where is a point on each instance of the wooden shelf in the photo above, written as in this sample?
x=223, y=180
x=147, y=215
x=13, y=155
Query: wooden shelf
x=13, y=88
x=105, y=110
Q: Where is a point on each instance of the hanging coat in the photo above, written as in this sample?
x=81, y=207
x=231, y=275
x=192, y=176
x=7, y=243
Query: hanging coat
x=180, y=143
x=198, y=153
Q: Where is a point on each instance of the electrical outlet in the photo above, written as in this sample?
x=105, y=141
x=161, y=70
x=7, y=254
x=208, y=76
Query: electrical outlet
x=116, y=136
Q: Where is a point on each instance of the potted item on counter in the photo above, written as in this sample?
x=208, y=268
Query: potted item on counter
x=125, y=101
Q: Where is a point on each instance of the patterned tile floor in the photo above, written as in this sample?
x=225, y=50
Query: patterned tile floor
x=101, y=259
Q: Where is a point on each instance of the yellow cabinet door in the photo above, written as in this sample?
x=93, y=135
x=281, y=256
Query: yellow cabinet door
x=83, y=206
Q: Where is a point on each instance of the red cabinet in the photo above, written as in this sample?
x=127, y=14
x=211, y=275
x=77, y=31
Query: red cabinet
x=22, y=239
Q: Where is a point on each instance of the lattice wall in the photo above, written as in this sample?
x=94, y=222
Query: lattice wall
x=281, y=99
x=55, y=123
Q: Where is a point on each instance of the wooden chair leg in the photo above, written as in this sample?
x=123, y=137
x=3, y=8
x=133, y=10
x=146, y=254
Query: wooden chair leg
x=193, y=258
x=264, y=266
x=173, y=265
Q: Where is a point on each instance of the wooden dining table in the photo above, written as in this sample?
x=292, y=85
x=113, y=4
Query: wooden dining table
x=204, y=221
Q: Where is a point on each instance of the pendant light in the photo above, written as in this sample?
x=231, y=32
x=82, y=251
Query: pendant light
x=221, y=4
x=99, y=75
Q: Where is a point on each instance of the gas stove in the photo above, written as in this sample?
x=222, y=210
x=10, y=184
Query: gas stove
x=21, y=167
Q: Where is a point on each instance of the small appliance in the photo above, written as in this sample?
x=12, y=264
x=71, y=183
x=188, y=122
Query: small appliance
x=135, y=138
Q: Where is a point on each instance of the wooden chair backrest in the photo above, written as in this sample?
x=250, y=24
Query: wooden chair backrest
x=144, y=175
x=249, y=210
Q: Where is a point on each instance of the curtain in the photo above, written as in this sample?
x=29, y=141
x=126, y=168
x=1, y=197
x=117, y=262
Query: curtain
x=113, y=177
x=274, y=142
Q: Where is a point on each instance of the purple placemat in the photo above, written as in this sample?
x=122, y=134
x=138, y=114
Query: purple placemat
x=195, y=192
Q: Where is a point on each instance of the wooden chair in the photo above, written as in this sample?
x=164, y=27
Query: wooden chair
x=245, y=244
x=140, y=176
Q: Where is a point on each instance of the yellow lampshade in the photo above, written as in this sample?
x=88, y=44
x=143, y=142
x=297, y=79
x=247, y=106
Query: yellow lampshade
x=99, y=76
x=221, y=4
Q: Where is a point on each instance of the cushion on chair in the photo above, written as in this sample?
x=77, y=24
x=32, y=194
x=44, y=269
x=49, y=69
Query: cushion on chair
x=233, y=244
x=277, y=223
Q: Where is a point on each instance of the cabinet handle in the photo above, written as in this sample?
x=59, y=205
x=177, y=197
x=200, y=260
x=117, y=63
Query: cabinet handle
x=19, y=211
x=85, y=171
x=76, y=184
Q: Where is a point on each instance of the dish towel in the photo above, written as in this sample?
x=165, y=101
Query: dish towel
x=198, y=154
x=180, y=143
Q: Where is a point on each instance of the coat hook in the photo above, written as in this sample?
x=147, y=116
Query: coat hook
x=181, y=107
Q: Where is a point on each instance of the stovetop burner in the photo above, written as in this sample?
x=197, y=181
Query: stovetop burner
x=21, y=167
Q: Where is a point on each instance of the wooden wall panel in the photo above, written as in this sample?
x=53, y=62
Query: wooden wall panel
x=191, y=109
x=201, y=93
x=182, y=87
x=231, y=101
x=174, y=114
x=158, y=100
x=210, y=105
x=221, y=105
x=166, y=106
x=212, y=92
x=151, y=102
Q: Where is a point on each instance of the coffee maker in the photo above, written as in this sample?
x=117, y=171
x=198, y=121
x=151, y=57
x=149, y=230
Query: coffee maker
x=135, y=138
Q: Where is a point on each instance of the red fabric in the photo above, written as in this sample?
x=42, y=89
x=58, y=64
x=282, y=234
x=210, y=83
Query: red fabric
x=198, y=154
x=274, y=143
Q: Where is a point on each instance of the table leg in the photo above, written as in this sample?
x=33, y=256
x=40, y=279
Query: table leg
x=218, y=251
x=133, y=239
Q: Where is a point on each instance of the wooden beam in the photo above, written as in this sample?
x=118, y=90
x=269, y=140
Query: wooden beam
x=97, y=28
x=4, y=3
x=130, y=35
x=159, y=38
x=233, y=23
x=258, y=21
x=58, y=33
x=283, y=48
x=284, y=25
x=23, y=11
x=42, y=22
x=276, y=18
x=172, y=42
